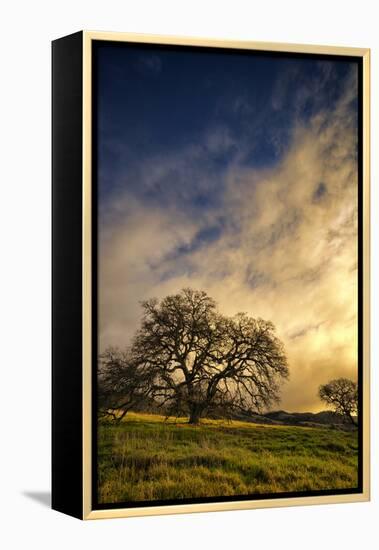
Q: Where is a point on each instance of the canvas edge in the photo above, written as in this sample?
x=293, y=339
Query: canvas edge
x=66, y=261
x=88, y=513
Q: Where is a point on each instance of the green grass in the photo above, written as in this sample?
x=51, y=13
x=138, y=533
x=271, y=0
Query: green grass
x=146, y=458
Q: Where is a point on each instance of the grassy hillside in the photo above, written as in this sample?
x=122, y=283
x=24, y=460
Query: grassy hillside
x=145, y=458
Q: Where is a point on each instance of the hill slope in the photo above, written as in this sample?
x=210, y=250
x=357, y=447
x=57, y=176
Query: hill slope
x=145, y=458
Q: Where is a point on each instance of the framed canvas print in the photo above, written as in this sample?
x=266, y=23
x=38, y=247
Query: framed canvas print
x=210, y=275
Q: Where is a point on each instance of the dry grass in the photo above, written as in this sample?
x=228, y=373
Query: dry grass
x=146, y=458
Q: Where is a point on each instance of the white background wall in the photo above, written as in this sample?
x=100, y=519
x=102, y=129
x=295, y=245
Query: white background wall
x=27, y=27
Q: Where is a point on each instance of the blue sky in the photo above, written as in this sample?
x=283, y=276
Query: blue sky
x=153, y=102
x=235, y=174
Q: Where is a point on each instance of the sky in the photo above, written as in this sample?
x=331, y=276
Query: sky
x=235, y=174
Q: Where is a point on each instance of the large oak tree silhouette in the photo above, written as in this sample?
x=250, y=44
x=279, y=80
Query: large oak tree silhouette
x=195, y=361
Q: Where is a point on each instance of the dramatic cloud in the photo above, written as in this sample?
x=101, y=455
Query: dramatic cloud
x=277, y=241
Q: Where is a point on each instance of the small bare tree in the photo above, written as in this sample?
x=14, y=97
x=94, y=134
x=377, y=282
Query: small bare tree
x=342, y=395
x=123, y=383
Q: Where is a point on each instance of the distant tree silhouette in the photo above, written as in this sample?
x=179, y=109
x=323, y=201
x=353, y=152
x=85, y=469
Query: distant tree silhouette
x=342, y=395
x=193, y=360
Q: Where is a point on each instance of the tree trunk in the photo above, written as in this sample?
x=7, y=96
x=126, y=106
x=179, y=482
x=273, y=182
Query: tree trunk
x=352, y=420
x=195, y=414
